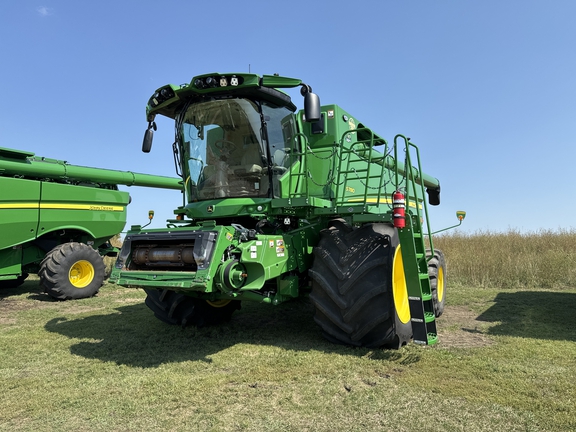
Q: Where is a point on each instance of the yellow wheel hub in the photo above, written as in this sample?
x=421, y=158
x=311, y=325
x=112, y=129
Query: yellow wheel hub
x=81, y=274
x=218, y=303
x=440, y=286
x=399, y=288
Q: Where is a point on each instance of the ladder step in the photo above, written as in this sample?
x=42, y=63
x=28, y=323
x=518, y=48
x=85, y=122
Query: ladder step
x=429, y=317
x=431, y=339
x=425, y=297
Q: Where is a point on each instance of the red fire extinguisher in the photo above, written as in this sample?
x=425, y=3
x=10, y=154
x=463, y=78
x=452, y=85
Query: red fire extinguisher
x=398, y=209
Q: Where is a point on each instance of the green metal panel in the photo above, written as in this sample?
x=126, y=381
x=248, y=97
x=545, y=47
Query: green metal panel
x=269, y=254
x=275, y=81
x=10, y=262
x=99, y=212
x=218, y=208
x=19, y=209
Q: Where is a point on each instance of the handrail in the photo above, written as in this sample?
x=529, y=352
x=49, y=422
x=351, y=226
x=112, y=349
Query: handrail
x=409, y=177
x=352, y=160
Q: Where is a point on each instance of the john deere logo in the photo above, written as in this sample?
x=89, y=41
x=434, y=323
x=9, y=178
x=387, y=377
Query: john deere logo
x=210, y=209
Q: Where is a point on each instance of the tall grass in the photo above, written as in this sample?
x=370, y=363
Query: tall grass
x=543, y=259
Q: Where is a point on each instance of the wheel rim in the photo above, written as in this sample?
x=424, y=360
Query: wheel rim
x=399, y=289
x=218, y=303
x=440, y=286
x=81, y=274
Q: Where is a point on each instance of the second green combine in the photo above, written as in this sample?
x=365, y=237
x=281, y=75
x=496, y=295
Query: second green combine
x=56, y=221
x=282, y=203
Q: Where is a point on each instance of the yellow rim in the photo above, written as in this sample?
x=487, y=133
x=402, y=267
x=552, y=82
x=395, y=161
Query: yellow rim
x=440, y=286
x=81, y=274
x=218, y=303
x=399, y=289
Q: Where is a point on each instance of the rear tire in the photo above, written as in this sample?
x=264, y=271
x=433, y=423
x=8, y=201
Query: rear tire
x=352, y=288
x=178, y=309
x=72, y=271
x=437, y=275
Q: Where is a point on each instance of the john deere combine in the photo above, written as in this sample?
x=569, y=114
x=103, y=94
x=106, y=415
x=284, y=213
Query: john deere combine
x=56, y=220
x=281, y=203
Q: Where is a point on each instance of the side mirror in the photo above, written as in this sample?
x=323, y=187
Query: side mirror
x=148, y=136
x=311, y=107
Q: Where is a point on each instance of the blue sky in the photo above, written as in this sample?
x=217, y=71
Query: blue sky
x=486, y=89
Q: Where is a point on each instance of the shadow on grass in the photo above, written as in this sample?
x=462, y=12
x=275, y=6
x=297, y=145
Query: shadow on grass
x=31, y=286
x=533, y=314
x=134, y=337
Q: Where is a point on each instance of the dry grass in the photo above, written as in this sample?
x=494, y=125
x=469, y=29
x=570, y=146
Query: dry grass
x=543, y=259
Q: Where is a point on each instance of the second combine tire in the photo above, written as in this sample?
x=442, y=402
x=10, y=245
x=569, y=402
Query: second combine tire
x=72, y=271
x=352, y=286
x=175, y=308
x=437, y=274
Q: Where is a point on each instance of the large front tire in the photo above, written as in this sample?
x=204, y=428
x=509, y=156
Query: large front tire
x=353, y=286
x=72, y=271
x=175, y=308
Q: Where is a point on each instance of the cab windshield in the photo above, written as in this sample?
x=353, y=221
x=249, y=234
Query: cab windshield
x=226, y=150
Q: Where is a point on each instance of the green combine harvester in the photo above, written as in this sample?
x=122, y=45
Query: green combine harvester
x=56, y=221
x=281, y=204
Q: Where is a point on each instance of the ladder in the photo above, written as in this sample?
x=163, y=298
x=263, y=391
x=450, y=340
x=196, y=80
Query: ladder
x=413, y=248
x=422, y=314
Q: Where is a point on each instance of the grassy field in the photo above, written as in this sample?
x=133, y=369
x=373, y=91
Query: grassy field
x=543, y=259
x=506, y=361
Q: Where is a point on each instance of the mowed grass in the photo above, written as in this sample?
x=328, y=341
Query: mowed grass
x=506, y=361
